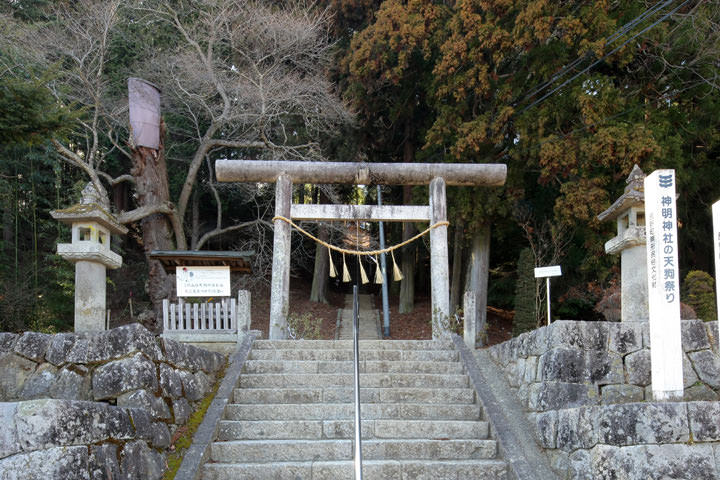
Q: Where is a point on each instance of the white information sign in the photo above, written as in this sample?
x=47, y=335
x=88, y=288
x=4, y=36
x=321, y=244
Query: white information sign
x=203, y=281
x=553, y=271
x=663, y=285
x=716, y=242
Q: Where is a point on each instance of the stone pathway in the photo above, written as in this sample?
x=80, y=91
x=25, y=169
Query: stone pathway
x=367, y=319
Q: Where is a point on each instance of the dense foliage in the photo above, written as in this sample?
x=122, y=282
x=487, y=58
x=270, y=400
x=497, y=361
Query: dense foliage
x=570, y=95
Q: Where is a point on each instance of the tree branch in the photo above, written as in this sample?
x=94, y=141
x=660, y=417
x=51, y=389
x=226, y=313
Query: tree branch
x=219, y=231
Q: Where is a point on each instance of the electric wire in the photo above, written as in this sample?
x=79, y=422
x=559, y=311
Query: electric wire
x=583, y=71
x=608, y=41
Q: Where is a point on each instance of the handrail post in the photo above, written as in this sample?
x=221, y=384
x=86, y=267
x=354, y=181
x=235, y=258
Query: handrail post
x=358, y=436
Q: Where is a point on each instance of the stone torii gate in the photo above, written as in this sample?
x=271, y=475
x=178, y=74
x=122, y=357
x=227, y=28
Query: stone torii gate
x=436, y=175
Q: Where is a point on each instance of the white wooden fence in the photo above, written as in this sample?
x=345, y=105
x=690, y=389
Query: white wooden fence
x=219, y=321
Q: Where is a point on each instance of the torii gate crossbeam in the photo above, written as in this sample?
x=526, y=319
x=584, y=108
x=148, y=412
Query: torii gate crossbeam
x=436, y=175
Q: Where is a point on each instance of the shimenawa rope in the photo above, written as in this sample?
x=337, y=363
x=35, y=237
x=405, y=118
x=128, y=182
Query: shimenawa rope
x=361, y=252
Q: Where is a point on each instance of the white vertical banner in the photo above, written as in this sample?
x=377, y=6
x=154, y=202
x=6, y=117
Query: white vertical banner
x=716, y=242
x=663, y=285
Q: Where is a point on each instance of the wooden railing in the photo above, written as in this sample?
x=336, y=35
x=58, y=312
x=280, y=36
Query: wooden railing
x=229, y=316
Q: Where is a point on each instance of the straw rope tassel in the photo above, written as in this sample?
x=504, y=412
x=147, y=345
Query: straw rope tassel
x=378, y=272
x=333, y=270
x=397, y=274
x=346, y=272
x=363, y=275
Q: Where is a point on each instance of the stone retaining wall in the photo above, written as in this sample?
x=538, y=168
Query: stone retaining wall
x=96, y=405
x=678, y=440
x=571, y=363
x=586, y=387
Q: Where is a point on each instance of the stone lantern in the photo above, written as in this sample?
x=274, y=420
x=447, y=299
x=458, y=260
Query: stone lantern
x=92, y=225
x=629, y=212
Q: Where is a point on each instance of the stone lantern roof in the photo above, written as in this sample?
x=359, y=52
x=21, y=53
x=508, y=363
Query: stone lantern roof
x=634, y=196
x=90, y=209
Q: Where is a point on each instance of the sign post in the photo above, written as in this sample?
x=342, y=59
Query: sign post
x=203, y=281
x=546, y=273
x=663, y=285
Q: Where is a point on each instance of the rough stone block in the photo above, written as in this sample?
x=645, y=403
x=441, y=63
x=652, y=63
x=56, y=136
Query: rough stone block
x=625, y=337
x=195, y=386
x=33, y=345
x=122, y=341
x=712, y=331
x=8, y=433
x=66, y=463
x=146, y=400
x=654, y=461
x=60, y=347
x=71, y=384
x=170, y=382
x=703, y=418
x=699, y=392
x=577, y=366
x=113, y=344
x=579, y=335
x=637, y=368
x=7, y=341
x=694, y=336
x=189, y=357
x=575, y=429
x=140, y=461
x=579, y=466
x=531, y=368
x=546, y=427
x=15, y=371
x=562, y=365
x=559, y=461
x=103, y=462
x=604, y=368
x=181, y=411
x=642, y=423
x=142, y=421
x=707, y=366
x=47, y=423
x=545, y=396
x=40, y=383
x=622, y=394
x=120, y=376
x=160, y=435
x=690, y=378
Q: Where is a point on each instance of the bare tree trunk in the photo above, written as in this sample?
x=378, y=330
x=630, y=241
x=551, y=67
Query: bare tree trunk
x=195, y=233
x=318, y=292
x=479, y=269
x=151, y=184
x=455, y=286
x=407, y=284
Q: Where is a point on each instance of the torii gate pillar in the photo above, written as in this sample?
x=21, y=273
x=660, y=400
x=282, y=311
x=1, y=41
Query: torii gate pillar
x=436, y=175
x=280, y=283
x=439, y=269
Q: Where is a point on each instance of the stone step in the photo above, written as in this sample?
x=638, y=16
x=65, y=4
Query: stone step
x=372, y=470
x=346, y=355
x=346, y=411
x=384, y=380
x=348, y=344
x=366, y=366
x=443, y=396
x=344, y=429
x=256, y=451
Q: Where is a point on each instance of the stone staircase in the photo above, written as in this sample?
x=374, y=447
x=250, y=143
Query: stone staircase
x=291, y=416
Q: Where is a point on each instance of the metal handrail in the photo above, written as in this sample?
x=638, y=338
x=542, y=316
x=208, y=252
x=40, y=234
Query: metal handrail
x=358, y=436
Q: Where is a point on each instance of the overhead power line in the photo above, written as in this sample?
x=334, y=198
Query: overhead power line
x=583, y=71
x=608, y=41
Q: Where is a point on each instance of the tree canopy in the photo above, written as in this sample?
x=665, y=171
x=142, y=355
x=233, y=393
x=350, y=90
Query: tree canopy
x=570, y=95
